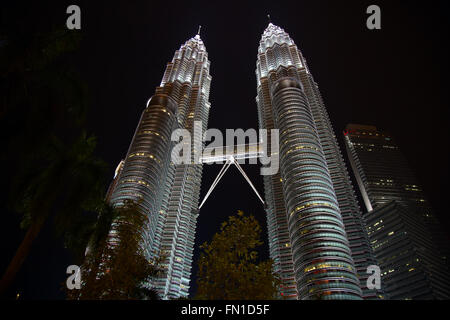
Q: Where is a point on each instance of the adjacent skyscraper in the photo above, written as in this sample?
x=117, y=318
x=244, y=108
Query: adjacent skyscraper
x=406, y=237
x=316, y=235
x=168, y=193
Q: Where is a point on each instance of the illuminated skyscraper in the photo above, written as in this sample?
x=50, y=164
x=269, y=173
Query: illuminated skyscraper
x=168, y=193
x=316, y=235
x=406, y=237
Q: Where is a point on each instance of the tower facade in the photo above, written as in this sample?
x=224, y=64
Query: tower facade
x=168, y=193
x=406, y=237
x=316, y=235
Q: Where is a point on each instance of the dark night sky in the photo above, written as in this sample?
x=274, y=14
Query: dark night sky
x=392, y=78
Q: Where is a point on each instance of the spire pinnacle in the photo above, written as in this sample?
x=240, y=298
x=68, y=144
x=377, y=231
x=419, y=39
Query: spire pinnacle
x=199, y=29
x=268, y=17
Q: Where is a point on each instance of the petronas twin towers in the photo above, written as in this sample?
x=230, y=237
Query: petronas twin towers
x=316, y=235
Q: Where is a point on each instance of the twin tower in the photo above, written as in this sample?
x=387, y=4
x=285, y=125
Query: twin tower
x=316, y=235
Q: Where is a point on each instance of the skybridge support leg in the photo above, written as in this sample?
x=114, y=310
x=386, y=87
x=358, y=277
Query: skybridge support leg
x=248, y=179
x=224, y=169
x=216, y=181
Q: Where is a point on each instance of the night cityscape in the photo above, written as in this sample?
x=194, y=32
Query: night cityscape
x=193, y=151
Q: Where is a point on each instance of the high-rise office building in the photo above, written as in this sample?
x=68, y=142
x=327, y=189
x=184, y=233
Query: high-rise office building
x=166, y=192
x=407, y=240
x=316, y=236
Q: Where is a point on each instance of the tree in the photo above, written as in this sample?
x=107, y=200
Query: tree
x=229, y=267
x=116, y=267
x=52, y=173
x=68, y=183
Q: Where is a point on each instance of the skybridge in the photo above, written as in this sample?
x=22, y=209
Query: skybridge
x=238, y=152
x=231, y=155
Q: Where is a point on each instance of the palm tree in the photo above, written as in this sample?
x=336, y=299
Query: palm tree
x=52, y=170
x=69, y=182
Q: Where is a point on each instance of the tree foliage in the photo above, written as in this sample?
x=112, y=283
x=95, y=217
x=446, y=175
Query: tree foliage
x=116, y=267
x=52, y=173
x=228, y=266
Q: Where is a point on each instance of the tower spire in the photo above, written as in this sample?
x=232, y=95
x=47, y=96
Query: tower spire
x=199, y=29
x=268, y=18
